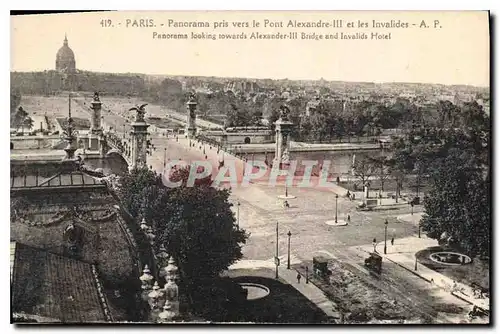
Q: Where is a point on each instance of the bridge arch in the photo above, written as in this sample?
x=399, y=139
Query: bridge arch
x=117, y=153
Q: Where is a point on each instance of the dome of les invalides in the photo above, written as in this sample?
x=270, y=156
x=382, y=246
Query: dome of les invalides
x=65, y=58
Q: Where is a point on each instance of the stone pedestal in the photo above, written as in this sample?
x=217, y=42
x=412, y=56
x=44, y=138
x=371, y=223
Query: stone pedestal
x=283, y=127
x=139, y=145
x=95, y=142
x=95, y=120
x=191, y=117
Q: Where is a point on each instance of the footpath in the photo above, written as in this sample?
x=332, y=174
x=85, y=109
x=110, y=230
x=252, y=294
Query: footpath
x=403, y=253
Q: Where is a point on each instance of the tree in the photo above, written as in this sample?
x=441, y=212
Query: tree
x=363, y=169
x=15, y=100
x=458, y=208
x=195, y=224
x=200, y=231
x=134, y=187
x=380, y=166
x=238, y=115
x=19, y=117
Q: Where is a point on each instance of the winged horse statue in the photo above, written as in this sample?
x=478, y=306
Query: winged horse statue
x=140, y=112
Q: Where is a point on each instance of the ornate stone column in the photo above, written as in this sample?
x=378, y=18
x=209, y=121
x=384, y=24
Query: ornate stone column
x=283, y=127
x=191, y=117
x=96, y=132
x=139, y=139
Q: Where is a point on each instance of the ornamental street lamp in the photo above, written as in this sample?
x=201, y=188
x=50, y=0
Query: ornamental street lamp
x=277, y=260
x=164, y=157
x=385, y=238
x=238, y=215
x=336, y=203
x=289, y=235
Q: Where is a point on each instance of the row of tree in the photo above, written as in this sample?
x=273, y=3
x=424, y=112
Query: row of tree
x=456, y=159
x=328, y=119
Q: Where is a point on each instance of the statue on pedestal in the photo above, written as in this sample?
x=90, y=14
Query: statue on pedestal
x=96, y=97
x=140, y=112
x=285, y=157
x=192, y=101
x=284, y=113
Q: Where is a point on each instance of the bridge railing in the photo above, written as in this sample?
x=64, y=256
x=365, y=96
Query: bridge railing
x=207, y=140
x=114, y=141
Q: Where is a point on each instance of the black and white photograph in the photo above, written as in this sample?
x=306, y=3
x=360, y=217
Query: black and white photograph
x=250, y=167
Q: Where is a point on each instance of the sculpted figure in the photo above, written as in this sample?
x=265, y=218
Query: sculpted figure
x=140, y=112
x=284, y=112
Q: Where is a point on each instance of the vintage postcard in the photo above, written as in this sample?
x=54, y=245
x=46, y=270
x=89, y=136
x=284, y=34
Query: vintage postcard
x=255, y=167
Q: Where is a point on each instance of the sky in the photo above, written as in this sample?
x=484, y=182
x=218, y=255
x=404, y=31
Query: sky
x=455, y=53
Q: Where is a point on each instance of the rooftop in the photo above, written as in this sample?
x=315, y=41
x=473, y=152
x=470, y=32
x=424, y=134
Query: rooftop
x=63, y=179
x=54, y=286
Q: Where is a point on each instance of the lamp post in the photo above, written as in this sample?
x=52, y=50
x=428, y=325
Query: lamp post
x=385, y=236
x=411, y=208
x=416, y=262
x=289, y=235
x=277, y=260
x=336, y=203
x=419, y=228
x=238, y=215
x=164, y=157
x=307, y=275
x=286, y=189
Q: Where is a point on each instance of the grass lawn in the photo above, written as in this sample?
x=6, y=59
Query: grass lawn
x=284, y=304
x=476, y=272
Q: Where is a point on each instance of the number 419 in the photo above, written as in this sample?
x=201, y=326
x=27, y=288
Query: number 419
x=106, y=23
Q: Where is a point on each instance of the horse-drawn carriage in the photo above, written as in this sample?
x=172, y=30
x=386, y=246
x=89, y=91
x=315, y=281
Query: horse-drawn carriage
x=320, y=266
x=374, y=263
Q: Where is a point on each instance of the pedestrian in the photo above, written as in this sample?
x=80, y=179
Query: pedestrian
x=298, y=278
x=392, y=241
x=348, y=218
